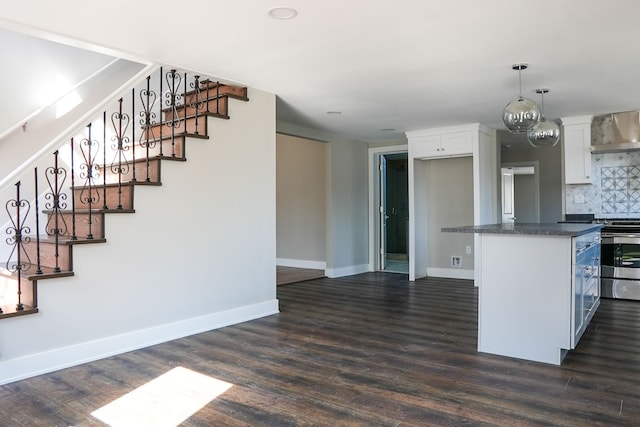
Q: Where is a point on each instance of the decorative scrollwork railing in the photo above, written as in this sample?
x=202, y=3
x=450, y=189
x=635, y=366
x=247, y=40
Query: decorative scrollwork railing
x=170, y=106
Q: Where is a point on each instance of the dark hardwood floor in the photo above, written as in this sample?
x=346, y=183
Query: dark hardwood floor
x=288, y=275
x=369, y=350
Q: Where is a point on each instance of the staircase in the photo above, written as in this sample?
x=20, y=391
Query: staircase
x=64, y=205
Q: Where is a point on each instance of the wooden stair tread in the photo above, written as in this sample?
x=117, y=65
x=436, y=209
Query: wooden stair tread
x=207, y=85
x=129, y=183
x=193, y=116
x=99, y=211
x=210, y=84
x=96, y=211
x=67, y=241
x=143, y=159
x=167, y=137
x=30, y=273
x=173, y=158
x=47, y=273
x=143, y=183
x=12, y=311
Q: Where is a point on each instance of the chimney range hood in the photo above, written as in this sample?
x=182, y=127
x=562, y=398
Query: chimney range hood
x=626, y=134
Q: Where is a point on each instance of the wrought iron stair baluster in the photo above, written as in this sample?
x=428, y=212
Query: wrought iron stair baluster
x=133, y=135
x=56, y=225
x=119, y=165
x=173, y=82
x=37, y=202
x=160, y=108
x=208, y=98
x=104, y=161
x=184, y=104
x=73, y=196
x=148, y=116
x=89, y=171
x=196, y=100
x=18, y=238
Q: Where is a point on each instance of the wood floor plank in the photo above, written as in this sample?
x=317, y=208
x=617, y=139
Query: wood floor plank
x=365, y=350
x=287, y=275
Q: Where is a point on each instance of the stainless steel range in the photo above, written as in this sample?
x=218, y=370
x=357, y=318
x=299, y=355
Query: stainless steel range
x=620, y=259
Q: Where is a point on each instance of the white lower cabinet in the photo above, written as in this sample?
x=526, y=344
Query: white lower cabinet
x=585, y=283
x=537, y=293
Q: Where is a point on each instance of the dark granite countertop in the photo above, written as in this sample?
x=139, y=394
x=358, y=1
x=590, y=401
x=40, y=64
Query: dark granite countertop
x=552, y=229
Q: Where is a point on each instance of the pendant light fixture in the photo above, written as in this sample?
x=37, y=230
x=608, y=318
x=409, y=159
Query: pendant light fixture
x=547, y=132
x=522, y=113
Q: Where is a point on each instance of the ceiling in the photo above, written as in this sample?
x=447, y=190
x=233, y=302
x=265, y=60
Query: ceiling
x=387, y=67
x=29, y=88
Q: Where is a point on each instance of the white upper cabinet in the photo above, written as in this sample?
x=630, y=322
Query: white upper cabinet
x=452, y=144
x=577, y=149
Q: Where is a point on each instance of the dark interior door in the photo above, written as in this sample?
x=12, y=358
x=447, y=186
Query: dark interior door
x=397, y=206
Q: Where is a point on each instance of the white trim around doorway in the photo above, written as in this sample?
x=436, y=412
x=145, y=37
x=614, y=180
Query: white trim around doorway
x=373, y=181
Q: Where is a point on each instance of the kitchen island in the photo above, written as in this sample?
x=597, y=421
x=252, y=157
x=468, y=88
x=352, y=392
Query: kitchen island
x=538, y=287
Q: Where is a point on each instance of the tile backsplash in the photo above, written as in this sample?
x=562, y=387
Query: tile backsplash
x=614, y=191
x=615, y=188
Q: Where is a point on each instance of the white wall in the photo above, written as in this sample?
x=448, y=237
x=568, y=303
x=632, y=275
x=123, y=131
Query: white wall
x=37, y=71
x=198, y=254
x=20, y=145
x=301, y=169
x=449, y=188
x=549, y=172
x=347, y=203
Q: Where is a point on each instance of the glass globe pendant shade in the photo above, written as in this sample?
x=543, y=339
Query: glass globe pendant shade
x=544, y=134
x=521, y=115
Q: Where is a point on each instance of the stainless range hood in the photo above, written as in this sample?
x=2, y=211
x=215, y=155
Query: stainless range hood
x=626, y=134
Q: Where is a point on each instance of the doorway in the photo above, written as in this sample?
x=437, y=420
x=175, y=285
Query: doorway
x=520, y=193
x=394, y=213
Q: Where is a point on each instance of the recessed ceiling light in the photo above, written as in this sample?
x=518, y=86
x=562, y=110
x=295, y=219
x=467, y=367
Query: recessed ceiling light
x=282, y=12
x=334, y=113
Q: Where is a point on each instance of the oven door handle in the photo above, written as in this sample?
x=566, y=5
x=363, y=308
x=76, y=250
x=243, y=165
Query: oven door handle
x=632, y=239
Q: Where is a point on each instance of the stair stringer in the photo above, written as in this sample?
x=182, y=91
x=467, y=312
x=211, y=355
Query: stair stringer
x=198, y=254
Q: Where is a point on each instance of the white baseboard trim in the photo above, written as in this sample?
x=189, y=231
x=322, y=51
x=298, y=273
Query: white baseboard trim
x=301, y=263
x=346, y=271
x=65, y=357
x=450, y=273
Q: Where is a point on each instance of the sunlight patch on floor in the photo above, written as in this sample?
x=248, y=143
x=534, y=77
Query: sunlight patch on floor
x=164, y=401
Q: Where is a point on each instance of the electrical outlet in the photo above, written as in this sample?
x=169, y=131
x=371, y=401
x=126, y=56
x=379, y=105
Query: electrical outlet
x=456, y=262
x=469, y=250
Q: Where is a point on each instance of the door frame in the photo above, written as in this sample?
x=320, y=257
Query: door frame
x=507, y=195
x=374, y=199
x=536, y=179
